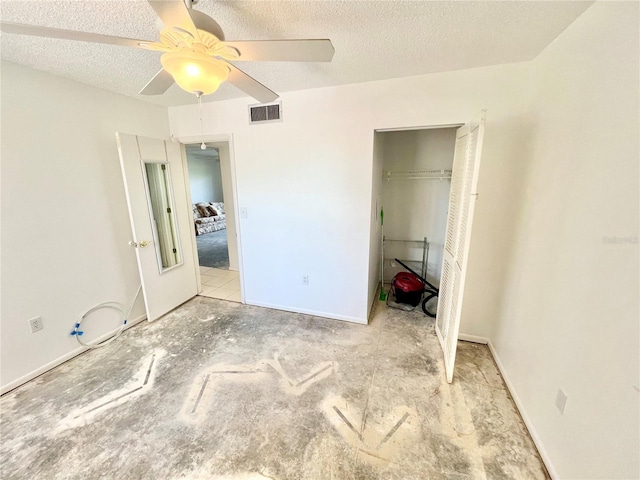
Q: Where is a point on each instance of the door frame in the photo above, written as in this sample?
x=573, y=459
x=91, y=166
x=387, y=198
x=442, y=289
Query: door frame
x=440, y=286
x=406, y=128
x=215, y=138
x=419, y=127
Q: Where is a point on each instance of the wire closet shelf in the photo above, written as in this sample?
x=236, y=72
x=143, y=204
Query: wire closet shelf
x=419, y=244
x=417, y=175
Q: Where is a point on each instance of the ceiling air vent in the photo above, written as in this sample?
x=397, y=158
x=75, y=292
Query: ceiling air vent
x=265, y=113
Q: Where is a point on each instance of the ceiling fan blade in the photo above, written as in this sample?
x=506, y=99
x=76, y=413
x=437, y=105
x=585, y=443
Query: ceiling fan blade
x=204, y=22
x=38, y=31
x=158, y=84
x=250, y=85
x=284, y=50
x=174, y=14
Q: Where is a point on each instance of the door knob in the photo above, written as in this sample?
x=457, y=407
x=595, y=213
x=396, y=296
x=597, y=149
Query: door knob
x=142, y=244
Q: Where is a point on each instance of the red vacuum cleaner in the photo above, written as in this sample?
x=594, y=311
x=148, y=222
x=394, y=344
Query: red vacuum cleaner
x=408, y=287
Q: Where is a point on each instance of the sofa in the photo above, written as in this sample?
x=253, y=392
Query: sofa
x=209, y=217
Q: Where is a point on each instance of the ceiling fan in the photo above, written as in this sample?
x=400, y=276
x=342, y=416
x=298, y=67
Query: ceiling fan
x=195, y=53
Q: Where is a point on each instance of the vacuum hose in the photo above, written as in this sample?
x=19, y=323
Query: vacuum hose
x=112, y=305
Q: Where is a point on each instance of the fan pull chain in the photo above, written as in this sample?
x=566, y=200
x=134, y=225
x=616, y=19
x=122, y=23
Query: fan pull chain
x=202, y=146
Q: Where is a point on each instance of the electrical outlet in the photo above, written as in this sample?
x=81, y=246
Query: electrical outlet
x=305, y=280
x=561, y=401
x=35, y=324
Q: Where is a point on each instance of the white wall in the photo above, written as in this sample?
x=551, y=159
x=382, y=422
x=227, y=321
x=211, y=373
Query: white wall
x=414, y=208
x=65, y=225
x=307, y=182
x=569, y=315
x=205, y=178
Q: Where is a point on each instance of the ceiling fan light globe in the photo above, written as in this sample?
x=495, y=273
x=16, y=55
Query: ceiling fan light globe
x=195, y=71
x=192, y=70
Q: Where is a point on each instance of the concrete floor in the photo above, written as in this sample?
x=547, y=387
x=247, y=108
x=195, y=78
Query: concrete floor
x=218, y=390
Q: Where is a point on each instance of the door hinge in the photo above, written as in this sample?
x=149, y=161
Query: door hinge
x=163, y=166
x=168, y=209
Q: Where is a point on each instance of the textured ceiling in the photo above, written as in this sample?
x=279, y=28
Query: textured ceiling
x=374, y=40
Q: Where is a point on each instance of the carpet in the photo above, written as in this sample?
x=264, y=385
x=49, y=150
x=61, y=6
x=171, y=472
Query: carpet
x=212, y=249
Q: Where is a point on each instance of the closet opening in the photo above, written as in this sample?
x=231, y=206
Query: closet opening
x=410, y=203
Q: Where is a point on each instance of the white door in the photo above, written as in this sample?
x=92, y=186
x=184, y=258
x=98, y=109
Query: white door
x=464, y=181
x=160, y=221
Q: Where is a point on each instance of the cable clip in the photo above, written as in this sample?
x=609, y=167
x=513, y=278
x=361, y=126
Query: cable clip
x=75, y=330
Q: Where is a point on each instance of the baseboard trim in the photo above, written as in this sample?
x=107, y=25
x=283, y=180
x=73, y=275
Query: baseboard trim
x=525, y=418
x=373, y=303
x=473, y=338
x=64, y=358
x=315, y=313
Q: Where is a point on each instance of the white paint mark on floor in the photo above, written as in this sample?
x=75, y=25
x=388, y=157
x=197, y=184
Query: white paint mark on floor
x=198, y=401
x=457, y=424
x=379, y=439
x=299, y=386
x=209, y=318
x=141, y=383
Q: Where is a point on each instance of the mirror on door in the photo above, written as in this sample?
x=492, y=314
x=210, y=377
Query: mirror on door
x=165, y=228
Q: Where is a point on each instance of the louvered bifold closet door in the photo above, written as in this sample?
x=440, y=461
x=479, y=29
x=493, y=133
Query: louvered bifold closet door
x=464, y=181
x=447, y=291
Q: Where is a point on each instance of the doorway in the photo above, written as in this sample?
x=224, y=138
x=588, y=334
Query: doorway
x=214, y=224
x=418, y=157
x=415, y=169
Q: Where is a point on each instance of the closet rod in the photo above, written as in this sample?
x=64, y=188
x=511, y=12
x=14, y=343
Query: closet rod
x=417, y=174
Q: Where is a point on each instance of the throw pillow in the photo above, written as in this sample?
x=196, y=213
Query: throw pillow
x=212, y=211
x=204, y=211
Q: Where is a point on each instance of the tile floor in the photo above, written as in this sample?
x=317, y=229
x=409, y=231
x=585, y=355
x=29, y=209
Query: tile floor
x=220, y=284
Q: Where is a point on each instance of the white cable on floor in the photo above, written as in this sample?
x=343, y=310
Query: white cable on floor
x=113, y=305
